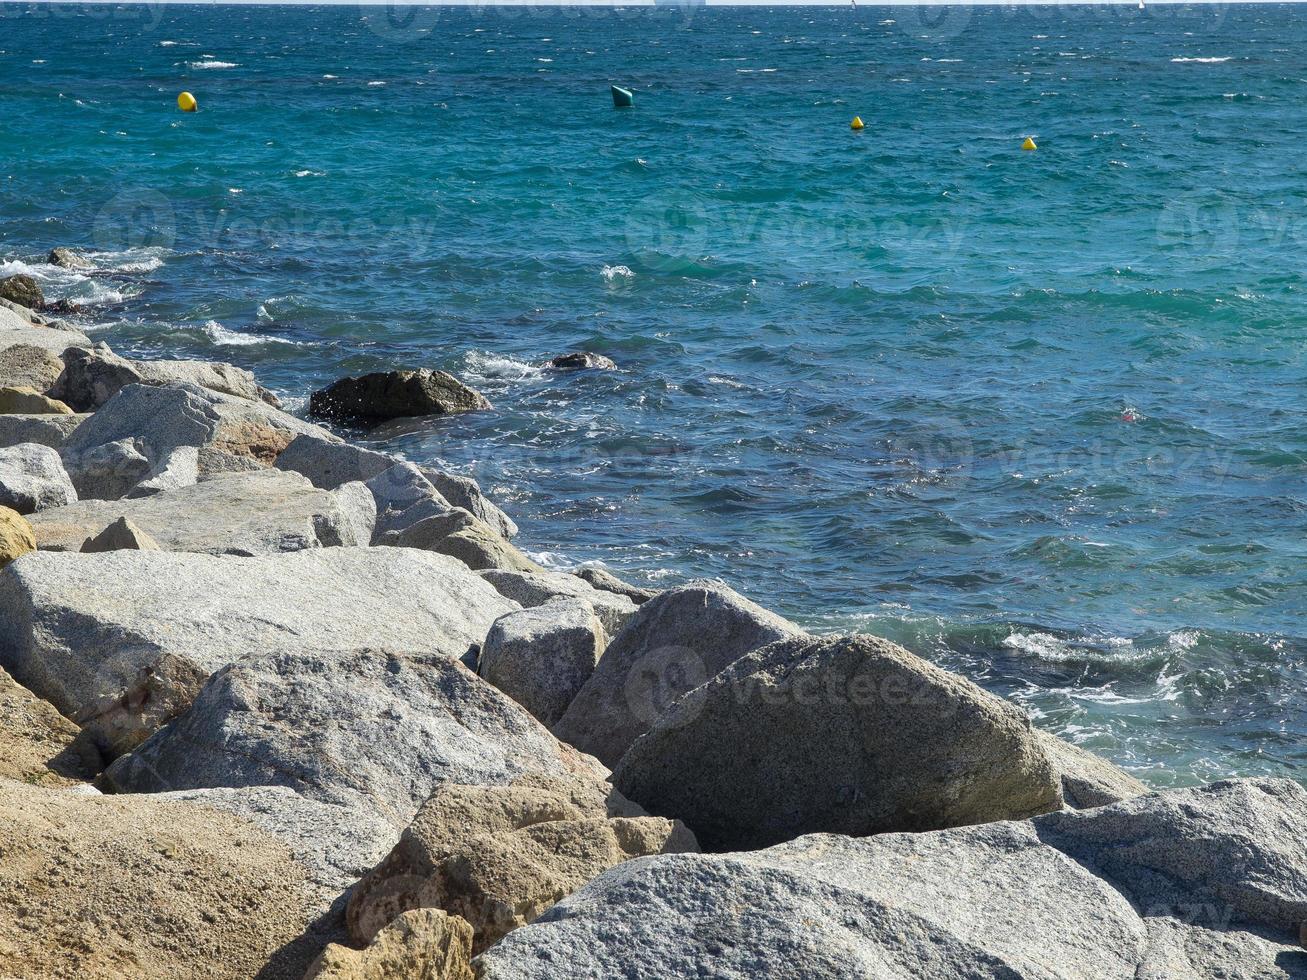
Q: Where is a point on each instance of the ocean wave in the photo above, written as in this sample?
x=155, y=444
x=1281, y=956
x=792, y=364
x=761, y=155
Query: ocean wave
x=200, y=65
x=489, y=366
x=1199, y=61
x=615, y=272
x=73, y=285
x=224, y=337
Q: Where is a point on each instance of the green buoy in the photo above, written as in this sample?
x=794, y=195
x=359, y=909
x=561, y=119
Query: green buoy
x=623, y=98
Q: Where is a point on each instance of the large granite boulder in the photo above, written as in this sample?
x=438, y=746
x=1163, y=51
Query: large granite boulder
x=424, y=944
x=397, y=485
x=541, y=657
x=499, y=856
x=673, y=644
x=38, y=745
x=153, y=422
x=16, y=537
x=19, y=330
x=101, y=888
x=43, y=429
x=1200, y=883
x=32, y=478
x=91, y=377
x=529, y=589
x=23, y=290
x=25, y=366
x=850, y=735
x=122, y=642
x=608, y=582
x=1087, y=780
x=385, y=395
x=254, y=513
x=365, y=728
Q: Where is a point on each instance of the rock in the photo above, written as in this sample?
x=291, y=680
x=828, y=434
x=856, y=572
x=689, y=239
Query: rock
x=607, y=582
x=364, y=728
x=262, y=512
x=530, y=589
x=499, y=856
x=38, y=745
x=46, y=430
x=850, y=735
x=1088, y=780
x=32, y=478
x=157, y=420
x=336, y=844
x=104, y=887
x=25, y=401
x=425, y=944
x=92, y=376
x=469, y=539
x=68, y=259
x=673, y=643
x=21, y=330
x=541, y=657
x=395, y=394
x=1203, y=883
x=108, y=471
x=178, y=468
x=331, y=464
x=16, y=538
x=122, y=642
x=404, y=497
x=462, y=491
x=23, y=290
x=582, y=360
x=25, y=366
x=121, y=535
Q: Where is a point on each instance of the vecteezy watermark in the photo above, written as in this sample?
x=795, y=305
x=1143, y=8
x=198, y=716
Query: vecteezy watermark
x=404, y=23
x=942, y=23
x=138, y=218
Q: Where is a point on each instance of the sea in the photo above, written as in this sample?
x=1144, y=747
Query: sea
x=1037, y=415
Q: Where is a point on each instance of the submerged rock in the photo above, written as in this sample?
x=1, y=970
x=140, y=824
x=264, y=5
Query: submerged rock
x=23, y=290
x=1191, y=883
x=366, y=728
x=581, y=360
x=541, y=657
x=122, y=642
x=16, y=538
x=424, y=944
x=388, y=395
x=499, y=856
x=32, y=479
x=261, y=512
x=673, y=643
x=25, y=401
x=850, y=735
x=101, y=888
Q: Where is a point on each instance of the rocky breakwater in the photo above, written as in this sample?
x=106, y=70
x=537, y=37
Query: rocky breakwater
x=276, y=705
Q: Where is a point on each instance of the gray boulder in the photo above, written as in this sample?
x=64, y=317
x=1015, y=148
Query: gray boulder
x=1088, y=780
x=404, y=497
x=384, y=395
x=16, y=331
x=673, y=644
x=1205, y=883
x=32, y=478
x=44, y=429
x=330, y=464
x=122, y=642
x=364, y=727
x=159, y=419
x=541, y=657
x=92, y=376
x=110, y=470
x=22, y=289
x=179, y=468
x=256, y=513
x=582, y=360
x=26, y=366
x=850, y=735
x=608, y=582
x=68, y=259
x=530, y=589
x=465, y=537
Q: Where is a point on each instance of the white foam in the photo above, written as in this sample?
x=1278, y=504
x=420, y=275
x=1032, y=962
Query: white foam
x=1045, y=646
x=612, y=272
x=1199, y=61
x=200, y=65
x=310, y=173
x=487, y=366
x=231, y=338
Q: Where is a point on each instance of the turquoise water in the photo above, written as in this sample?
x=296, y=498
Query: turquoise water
x=1040, y=416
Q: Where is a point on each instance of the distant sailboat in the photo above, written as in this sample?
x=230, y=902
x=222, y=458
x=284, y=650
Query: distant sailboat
x=1141, y=4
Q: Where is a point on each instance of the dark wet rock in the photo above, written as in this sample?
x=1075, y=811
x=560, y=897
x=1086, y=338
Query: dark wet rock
x=395, y=394
x=582, y=360
x=23, y=290
x=66, y=258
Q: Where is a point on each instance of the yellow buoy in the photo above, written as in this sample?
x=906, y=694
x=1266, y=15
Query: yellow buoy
x=857, y=123
x=186, y=102
x=1029, y=144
